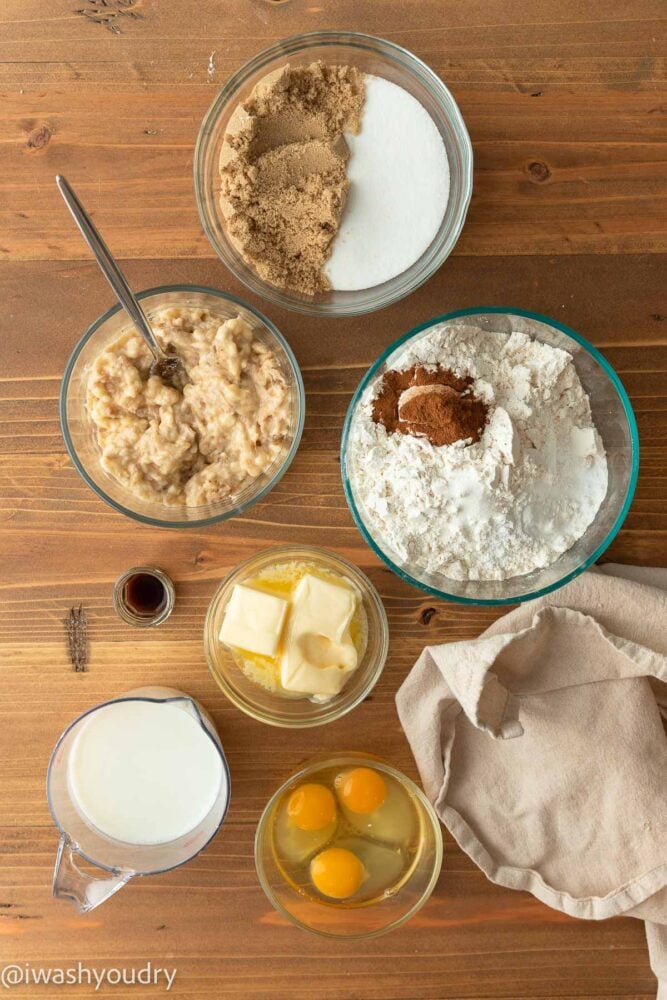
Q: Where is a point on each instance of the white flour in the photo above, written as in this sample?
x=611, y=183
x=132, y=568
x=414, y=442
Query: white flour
x=511, y=503
x=399, y=185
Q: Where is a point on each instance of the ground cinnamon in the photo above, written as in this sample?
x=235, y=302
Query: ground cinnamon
x=430, y=402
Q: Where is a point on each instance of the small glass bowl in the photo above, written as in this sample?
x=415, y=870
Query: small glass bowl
x=362, y=921
x=371, y=55
x=612, y=415
x=79, y=433
x=278, y=710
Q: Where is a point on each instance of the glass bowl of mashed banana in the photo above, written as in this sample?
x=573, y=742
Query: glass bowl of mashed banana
x=185, y=455
x=296, y=636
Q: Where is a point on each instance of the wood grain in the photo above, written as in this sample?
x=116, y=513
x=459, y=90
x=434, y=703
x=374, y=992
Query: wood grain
x=115, y=103
x=580, y=97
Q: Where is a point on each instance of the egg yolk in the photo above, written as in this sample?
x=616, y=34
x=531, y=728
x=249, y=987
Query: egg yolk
x=337, y=872
x=311, y=807
x=361, y=790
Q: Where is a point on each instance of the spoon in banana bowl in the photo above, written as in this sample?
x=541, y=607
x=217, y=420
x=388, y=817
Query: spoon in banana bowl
x=169, y=367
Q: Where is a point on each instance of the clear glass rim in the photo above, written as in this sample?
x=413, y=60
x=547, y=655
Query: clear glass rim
x=347, y=758
x=632, y=480
x=154, y=701
x=337, y=711
x=432, y=258
x=239, y=508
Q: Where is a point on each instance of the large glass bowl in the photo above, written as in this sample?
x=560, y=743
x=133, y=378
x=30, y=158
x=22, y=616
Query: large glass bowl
x=275, y=709
x=374, y=56
x=612, y=415
x=365, y=920
x=78, y=430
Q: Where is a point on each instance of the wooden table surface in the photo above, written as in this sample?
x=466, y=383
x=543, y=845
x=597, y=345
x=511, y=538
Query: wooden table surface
x=565, y=106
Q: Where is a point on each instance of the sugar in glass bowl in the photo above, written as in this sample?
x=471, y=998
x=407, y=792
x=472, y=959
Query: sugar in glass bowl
x=276, y=709
x=374, y=56
x=364, y=920
x=612, y=415
x=79, y=433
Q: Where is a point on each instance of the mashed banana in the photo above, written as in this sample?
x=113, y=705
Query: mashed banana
x=205, y=442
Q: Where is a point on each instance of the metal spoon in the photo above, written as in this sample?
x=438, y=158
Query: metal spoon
x=168, y=366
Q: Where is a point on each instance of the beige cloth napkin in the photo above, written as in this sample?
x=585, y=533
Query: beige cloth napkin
x=543, y=751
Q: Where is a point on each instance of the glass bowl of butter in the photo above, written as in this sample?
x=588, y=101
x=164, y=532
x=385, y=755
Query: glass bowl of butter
x=296, y=636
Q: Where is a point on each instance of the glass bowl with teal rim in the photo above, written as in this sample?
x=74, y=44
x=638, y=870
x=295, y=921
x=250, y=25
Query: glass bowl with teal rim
x=374, y=56
x=612, y=415
x=79, y=434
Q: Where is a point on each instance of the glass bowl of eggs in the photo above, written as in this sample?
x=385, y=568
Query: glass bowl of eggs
x=296, y=636
x=348, y=847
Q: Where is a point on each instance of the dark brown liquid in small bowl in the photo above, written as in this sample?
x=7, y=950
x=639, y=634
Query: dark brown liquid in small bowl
x=145, y=595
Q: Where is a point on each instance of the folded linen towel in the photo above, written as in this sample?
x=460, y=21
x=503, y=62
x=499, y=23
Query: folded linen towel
x=543, y=751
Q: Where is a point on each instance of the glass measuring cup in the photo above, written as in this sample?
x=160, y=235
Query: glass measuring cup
x=120, y=861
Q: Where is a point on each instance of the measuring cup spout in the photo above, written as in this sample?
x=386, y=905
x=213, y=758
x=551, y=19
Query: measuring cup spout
x=84, y=891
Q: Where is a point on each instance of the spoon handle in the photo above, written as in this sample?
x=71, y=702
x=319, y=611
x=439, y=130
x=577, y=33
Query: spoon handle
x=109, y=266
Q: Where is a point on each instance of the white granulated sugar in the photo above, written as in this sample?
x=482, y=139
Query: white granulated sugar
x=399, y=187
x=511, y=503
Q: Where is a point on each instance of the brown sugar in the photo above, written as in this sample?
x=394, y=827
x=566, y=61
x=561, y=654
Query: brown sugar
x=283, y=169
x=430, y=402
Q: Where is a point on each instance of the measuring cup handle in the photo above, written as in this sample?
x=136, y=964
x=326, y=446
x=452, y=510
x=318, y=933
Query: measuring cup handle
x=84, y=891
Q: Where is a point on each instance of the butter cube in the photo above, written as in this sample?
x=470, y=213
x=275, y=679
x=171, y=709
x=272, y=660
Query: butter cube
x=253, y=621
x=319, y=653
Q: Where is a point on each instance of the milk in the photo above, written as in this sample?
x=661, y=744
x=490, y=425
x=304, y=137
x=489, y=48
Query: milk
x=144, y=772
